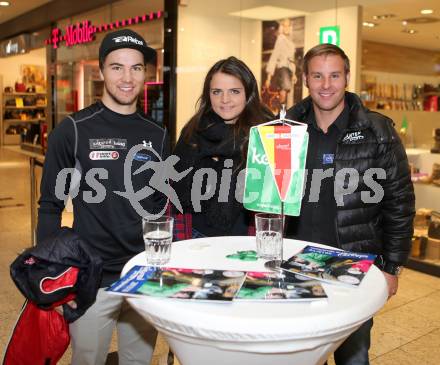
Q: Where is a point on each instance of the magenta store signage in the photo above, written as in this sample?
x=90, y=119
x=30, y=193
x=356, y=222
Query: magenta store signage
x=84, y=32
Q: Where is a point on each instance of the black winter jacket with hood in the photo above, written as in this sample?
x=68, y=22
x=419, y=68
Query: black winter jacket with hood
x=384, y=227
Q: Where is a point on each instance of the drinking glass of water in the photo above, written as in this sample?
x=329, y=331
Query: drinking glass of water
x=269, y=232
x=158, y=235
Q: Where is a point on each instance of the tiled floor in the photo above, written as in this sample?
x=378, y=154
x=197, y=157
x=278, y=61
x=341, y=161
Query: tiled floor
x=406, y=330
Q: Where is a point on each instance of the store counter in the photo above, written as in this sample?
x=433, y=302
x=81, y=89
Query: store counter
x=427, y=195
x=422, y=159
x=35, y=159
x=238, y=333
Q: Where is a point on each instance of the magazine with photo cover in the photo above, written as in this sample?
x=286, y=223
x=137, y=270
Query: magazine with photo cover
x=274, y=286
x=333, y=266
x=179, y=283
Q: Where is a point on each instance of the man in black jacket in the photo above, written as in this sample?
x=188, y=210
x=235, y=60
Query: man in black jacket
x=91, y=156
x=358, y=194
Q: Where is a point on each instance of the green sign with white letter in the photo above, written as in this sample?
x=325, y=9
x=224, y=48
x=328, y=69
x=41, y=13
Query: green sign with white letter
x=329, y=35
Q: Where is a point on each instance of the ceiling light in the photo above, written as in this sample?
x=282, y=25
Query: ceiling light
x=426, y=11
x=409, y=31
x=383, y=16
x=404, y=23
x=268, y=13
x=5, y=3
x=369, y=24
x=422, y=20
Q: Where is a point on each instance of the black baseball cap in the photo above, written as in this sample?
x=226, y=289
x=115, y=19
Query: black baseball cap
x=125, y=38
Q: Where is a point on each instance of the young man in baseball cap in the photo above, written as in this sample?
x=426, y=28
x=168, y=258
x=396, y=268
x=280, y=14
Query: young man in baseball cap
x=94, y=143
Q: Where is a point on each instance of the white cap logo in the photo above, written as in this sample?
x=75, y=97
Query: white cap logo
x=128, y=39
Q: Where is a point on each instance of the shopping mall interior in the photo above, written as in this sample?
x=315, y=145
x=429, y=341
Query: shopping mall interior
x=49, y=69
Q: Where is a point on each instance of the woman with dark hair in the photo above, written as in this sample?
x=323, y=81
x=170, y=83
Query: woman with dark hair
x=214, y=145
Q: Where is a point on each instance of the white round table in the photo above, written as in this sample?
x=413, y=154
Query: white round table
x=257, y=333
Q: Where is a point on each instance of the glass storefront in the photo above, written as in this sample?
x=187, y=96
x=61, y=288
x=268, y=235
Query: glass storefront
x=78, y=79
x=23, y=113
x=269, y=36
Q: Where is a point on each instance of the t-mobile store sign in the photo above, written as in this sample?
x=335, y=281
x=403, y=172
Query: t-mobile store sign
x=84, y=32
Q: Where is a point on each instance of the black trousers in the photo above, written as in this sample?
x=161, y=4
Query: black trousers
x=354, y=350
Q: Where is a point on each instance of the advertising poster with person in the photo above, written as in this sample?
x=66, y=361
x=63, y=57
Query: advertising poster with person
x=283, y=50
x=33, y=75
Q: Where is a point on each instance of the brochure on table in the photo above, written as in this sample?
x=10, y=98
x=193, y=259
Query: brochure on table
x=179, y=283
x=333, y=266
x=280, y=286
x=217, y=285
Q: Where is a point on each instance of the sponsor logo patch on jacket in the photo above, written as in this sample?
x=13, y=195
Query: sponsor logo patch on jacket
x=104, y=155
x=142, y=157
x=327, y=158
x=108, y=144
x=351, y=137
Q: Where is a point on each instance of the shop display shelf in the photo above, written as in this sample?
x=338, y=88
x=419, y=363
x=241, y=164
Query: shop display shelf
x=24, y=121
x=23, y=93
x=425, y=266
x=11, y=139
x=35, y=148
x=26, y=107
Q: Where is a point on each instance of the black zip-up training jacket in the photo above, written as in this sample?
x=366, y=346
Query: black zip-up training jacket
x=95, y=142
x=370, y=141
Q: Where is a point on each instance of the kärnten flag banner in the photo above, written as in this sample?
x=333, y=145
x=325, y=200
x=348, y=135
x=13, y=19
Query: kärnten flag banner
x=275, y=168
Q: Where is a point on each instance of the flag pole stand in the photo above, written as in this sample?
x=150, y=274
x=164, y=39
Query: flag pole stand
x=275, y=265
